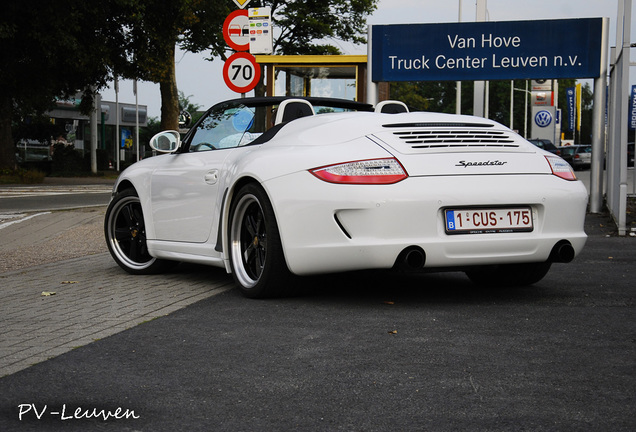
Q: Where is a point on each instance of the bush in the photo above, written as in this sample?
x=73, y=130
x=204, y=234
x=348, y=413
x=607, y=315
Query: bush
x=102, y=159
x=21, y=176
x=68, y=161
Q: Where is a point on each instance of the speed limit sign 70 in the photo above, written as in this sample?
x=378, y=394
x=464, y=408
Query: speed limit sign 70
x=241, y=72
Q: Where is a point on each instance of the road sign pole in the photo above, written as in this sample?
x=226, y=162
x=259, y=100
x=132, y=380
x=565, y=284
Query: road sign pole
x=372, y=87
x=479, y=86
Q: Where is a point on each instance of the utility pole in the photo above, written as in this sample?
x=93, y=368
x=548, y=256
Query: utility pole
x=458, y=93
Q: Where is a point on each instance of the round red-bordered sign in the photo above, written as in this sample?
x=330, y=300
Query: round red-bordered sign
x=241, y=73
x=236, y=30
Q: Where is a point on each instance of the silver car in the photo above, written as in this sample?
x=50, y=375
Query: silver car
x=579, y=156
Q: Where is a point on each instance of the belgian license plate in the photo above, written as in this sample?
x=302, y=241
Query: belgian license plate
x=488, y=220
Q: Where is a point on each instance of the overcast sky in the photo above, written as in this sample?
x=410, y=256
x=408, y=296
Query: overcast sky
x=202, y=80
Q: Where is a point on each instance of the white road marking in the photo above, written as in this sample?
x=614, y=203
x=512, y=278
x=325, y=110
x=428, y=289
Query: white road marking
x=15, y=192
x=22, y=218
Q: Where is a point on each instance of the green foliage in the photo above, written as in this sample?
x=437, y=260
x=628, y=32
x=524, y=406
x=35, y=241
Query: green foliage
x=102, y=159
x=56, y=49
x=67, y=161
x=73, y=44
x=21, y=176
x=53, y=50
x=146, y=133
x=308, y=26
x=440, y=96
x=157, y=26
x=186, y=104
x=39, y=128
x=435, y=96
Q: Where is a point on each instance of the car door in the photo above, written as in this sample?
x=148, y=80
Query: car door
x=187, y=190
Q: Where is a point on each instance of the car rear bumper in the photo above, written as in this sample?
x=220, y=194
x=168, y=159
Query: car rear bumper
x=330, y=227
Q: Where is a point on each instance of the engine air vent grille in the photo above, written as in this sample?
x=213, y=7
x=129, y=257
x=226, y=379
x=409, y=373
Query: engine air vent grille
x=452, y=135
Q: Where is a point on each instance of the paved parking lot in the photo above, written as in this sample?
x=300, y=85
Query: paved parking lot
x=51, y=309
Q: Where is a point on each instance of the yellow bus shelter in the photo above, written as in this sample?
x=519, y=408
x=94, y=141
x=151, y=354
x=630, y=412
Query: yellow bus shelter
x=339, y=76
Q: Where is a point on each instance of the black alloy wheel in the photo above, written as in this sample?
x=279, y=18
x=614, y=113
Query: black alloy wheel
x=256, y=254
x=125, y=232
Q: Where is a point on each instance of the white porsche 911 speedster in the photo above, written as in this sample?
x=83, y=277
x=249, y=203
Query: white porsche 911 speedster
x=275, y=188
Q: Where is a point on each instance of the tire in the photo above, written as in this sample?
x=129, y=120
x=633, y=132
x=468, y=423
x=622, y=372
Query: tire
x=256, y=252
x=125, y=233
x=509, y=275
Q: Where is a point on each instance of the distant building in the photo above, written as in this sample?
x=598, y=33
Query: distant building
x=77, y=125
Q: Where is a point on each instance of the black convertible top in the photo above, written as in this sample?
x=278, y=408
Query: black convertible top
x=316, y=101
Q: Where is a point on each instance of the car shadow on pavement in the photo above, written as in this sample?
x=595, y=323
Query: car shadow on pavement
x=391, y=287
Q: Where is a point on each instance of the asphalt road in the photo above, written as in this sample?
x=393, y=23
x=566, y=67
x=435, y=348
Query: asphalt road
x=49, y=198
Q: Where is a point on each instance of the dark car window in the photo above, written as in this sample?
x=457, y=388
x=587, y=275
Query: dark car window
x=544, y=144
x=244, y=121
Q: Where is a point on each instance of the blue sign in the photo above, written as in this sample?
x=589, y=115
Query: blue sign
x=632, y=112
x=569, y=48
x=543, y=118
x=126, y=139
x=570, y=98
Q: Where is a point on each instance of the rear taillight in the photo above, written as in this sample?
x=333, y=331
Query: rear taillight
x=561, y=168
x=373, y=171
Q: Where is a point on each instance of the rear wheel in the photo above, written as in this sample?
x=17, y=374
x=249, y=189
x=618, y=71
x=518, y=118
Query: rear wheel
x=256, y=253
x=511, y=275
x=125, y=233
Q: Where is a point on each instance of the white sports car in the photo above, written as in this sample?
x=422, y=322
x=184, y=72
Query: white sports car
x=272, y=188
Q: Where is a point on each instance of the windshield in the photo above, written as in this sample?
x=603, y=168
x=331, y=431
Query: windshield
x=240, y=122
x=226, y=127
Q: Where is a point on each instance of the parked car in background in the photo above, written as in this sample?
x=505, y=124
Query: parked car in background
x=545, y=145
x=579, y=156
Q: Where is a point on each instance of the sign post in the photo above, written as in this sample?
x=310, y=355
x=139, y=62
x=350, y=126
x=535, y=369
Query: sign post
x=241, y=73
x=236, y=30
x=245, y=30
x=241, y=3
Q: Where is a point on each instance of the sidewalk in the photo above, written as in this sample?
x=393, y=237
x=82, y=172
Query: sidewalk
x=93, y=299
x=78, y=181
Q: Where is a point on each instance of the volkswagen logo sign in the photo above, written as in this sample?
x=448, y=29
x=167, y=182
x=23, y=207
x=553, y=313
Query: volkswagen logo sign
x=543, y=118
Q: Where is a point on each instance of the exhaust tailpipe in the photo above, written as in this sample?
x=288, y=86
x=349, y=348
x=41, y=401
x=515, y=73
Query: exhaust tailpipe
x=412, y=258
x=562, y=252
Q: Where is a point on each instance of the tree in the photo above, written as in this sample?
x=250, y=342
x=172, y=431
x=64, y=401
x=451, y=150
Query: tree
x=53, y=51
x=185, y=104
x=306, y=26
x=439, y=96
x=156, y=28
x=59, y=48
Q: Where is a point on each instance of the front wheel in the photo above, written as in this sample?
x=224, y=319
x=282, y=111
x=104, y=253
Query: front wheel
x=509, y=275
x=256, y=253
x=125, y=233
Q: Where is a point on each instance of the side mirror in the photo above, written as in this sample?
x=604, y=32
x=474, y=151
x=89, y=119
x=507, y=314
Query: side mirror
x=166, y=141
